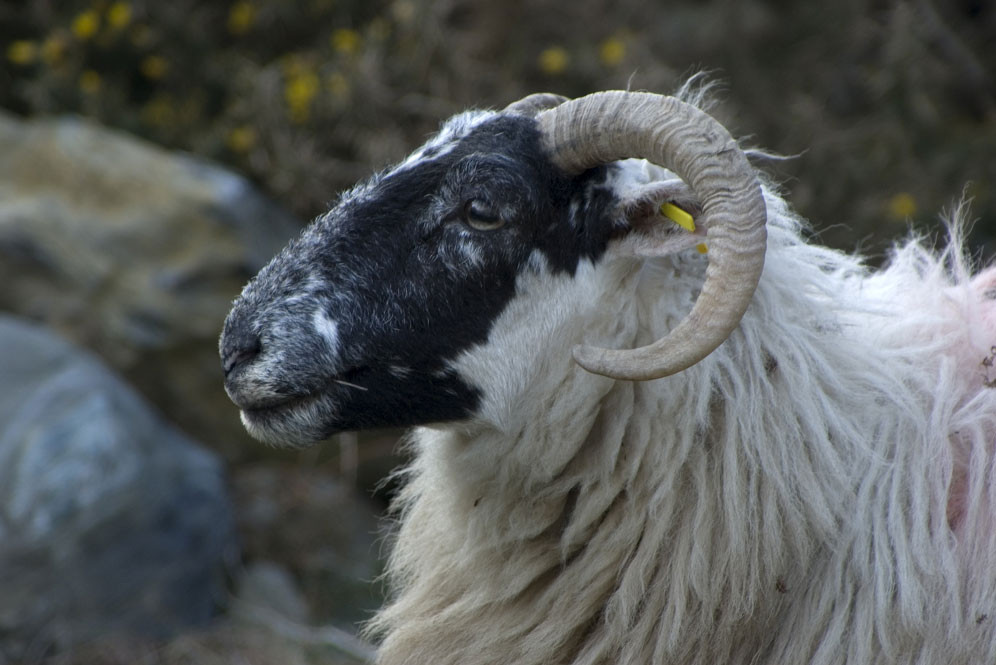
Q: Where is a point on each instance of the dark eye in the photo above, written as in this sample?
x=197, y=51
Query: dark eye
x=480, y=216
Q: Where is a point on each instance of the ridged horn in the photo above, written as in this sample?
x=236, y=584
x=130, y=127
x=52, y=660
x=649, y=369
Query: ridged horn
x=532, y=104
x=608, y=126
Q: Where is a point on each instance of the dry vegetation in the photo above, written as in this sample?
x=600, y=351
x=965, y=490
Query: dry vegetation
x=888, y=103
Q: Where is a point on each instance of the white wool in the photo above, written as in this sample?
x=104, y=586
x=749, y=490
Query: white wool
x=818, y=490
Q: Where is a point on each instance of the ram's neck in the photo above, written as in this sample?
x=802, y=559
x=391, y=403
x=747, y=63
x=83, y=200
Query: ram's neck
x=756, y=507
x=606, y=496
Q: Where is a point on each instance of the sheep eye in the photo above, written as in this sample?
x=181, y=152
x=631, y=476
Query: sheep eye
x=480, y=216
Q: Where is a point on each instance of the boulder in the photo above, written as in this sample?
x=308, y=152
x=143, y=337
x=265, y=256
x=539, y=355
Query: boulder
x=111, y=520
x=136, y=253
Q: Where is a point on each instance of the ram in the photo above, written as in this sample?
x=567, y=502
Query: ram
x=637, y=442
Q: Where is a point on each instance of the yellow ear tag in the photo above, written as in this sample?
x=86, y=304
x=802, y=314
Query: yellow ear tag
x=678, y=216
x=701, y=248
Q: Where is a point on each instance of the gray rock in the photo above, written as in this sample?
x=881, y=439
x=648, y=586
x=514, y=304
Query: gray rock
x=134, y=252
x=270, y=586
x=111, y=520
x=324, y=531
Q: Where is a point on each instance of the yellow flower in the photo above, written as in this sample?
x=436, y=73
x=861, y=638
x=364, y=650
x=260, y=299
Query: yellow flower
x=241, y=18
x=22, y=52
x=346, y=41
x=90, y=82
x=553, y=60
x=154, y=66
x=86, y=24
x=119, y=15
x=612, y=51
x=53, y=49
x=298, y=93
x=902, y=206
x=241, y=138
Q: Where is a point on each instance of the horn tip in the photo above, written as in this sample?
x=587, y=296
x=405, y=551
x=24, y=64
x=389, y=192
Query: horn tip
x=590, y=358
x=612, y=364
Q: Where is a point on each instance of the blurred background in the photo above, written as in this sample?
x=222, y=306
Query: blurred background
x=154, y=155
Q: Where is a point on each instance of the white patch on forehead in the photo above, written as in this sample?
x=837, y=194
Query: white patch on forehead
x=449, y=135
x=326, y=328
x=442, y=143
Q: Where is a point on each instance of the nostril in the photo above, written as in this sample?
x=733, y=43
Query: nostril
x=239, y=350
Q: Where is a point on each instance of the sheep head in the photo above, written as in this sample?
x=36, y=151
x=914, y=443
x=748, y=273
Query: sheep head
x=358, y=322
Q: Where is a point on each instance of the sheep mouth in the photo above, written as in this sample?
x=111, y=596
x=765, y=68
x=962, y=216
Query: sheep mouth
x=273, y=422
x=274, y=408
x=284, y=423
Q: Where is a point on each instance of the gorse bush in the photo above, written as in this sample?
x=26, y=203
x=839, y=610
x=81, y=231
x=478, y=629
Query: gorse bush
x=888, y=104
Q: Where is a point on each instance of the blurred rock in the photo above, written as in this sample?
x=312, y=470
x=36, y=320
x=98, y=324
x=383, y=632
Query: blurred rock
x=324, y=532
x=136, y=253
x=268, y=585
x=111, y=521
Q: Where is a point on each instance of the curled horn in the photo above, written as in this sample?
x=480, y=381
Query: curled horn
x=609, y=126
x=533, y=104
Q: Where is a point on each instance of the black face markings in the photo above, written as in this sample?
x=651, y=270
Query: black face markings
x=386, y=400
x=407, y=282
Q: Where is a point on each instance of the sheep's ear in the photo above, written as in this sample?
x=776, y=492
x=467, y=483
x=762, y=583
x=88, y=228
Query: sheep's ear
x=652, y=232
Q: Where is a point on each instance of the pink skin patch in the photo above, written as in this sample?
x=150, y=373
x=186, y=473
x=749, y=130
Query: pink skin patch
x=974, y=315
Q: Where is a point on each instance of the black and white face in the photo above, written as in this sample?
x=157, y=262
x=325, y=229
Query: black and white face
x=358, y=322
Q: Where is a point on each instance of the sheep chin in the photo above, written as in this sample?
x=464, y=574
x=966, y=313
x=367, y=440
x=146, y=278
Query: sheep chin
x=295, y=424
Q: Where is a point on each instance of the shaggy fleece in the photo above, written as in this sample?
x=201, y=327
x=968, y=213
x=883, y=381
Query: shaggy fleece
x=819, y=490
